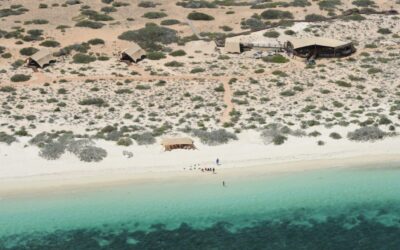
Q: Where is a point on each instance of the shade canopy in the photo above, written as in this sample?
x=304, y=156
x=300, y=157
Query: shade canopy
x=42, y=57
x=134, y=53
x=298, y=43
x=176, y=141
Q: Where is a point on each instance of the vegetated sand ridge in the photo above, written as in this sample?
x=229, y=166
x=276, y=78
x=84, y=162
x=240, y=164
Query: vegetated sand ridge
x=190, y=84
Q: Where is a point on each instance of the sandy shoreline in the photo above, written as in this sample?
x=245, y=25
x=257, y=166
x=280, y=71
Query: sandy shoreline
x=85, y=181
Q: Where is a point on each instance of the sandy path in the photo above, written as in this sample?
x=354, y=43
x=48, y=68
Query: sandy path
x=228, y=102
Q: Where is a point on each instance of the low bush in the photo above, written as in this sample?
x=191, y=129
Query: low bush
x=147, y=4
x=145, y=138
x=363, y=3
x=197, y=70
x=384, y=31
x=169, y=22
x=52, y=150
x=367, y=133
x=275, y=59
x=198, y=16
x=50, y=43
x=215, y=137
x=151, y=37
x=99, y=102
x=20, y=78
x=174, y=64
x=155, y=55
x=335, y=136
x=125, y=141
x=6, y=138
x=315, y=18
x=154, y=15
x=7, y=89
x=92, y=154
x=81, y=58
x=89, y=24
x=96, y=41
x=272, y=34
x=276, y=14
x=28, y=51
x=178, y=53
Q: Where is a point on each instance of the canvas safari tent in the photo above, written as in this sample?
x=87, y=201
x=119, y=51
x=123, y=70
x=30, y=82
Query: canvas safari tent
x=177, y=143
x=319, y=47
x=40, y=59
x=132, y=54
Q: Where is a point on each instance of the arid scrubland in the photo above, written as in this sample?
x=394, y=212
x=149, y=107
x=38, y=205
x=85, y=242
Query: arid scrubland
x=186, y=84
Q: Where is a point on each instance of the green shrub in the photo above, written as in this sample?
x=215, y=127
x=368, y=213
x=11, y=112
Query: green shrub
x=20, y=78
x=155, y=55
x=178, y=53
x=275, y=59
x=197, y=70
x=174, y=64
x=7, y=89
x=143, y=87
x=328, y=4
x=96, y=41
x=363, y=3
x=341, y=83
x=6, y=138
x=50, y=43
x=28, y=51
x=169, y=22
x=335, y=136
x=154, y=15
x=288, y=93
x=83, y=58
x=198, y=16
x=92, y=154
x=272, y=34
x=145, y=138
x=220, y=88
x=147, y=4
x=276, y=14
x=215, y=137
x=89, y=24
x=125, y=141
x=151, y=36
x=279, y=139
x=315, y=18
x=366, y=134
x=384, y=31
x=99, y=102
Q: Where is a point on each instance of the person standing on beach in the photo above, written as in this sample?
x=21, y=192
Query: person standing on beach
x=217, y=161
x=223, y=184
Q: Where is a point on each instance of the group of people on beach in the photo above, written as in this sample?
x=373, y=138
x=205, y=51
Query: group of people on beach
x=208, y=170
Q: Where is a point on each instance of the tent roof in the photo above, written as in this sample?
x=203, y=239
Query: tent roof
x=134, y=52
x=232, y=46
x=42, y=57
x=176, y=141
x=321, y=41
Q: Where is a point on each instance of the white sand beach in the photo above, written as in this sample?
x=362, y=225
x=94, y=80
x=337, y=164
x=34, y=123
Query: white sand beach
x=23, y=171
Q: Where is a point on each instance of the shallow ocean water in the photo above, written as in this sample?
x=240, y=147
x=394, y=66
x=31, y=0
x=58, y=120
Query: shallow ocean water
x=346, y=208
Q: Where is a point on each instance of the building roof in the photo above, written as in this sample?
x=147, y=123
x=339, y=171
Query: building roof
x=176, y=141
x=42, y=57
x=135, y=52
x=232, y=46
x=321, y=41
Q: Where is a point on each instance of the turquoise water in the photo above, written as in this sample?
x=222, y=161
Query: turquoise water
x=324, y=209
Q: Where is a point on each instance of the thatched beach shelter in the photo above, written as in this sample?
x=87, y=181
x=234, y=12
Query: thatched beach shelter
x=40, y=59
x=319, y=47
x=177, y=143
x=132, y=54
